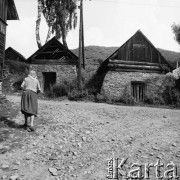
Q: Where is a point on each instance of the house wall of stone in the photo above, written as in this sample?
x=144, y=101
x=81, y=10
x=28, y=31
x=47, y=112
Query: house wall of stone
x=63, y=72
x=116, y=83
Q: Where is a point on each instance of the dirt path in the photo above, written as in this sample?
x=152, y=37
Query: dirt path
x=75, y=139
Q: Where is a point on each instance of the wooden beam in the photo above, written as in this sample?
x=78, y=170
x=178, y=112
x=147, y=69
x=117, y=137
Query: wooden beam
x=116, y=61
x=127, y=66
x=134, y=70
x=51, y=52
x=52, y=62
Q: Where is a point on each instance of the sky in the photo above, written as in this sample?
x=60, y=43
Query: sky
x=107, y=23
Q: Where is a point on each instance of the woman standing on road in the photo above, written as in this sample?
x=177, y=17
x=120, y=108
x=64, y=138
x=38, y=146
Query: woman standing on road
x=29, y=105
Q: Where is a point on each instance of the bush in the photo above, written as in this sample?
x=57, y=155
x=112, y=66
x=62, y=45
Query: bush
x=127, y=99
x=76, y=95
x=17, y=84
x=101, y=98
x=62, y=89
x=171, y=96
x=155, y=99
x=171, y=93
x=57, y=90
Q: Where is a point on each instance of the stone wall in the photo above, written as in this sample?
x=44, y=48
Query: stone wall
x=116, y=83
x=63, y=72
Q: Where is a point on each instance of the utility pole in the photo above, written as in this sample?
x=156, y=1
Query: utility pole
x=81, y=44
x=83, y=57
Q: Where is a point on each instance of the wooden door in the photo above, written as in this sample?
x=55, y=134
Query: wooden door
x=138, y=91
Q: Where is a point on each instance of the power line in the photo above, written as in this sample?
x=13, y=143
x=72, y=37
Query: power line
x=137, y=4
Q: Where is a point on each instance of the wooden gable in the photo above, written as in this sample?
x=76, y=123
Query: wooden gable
x=12, y=54
x=53, y=52
x=138, y=53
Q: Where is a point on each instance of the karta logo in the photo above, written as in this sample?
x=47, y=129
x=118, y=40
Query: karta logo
x=120, y=169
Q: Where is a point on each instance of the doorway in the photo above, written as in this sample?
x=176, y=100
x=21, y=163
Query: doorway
x=138, y=91
x=49, y=80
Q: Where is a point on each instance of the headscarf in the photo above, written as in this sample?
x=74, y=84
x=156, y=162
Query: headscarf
x=32, y=74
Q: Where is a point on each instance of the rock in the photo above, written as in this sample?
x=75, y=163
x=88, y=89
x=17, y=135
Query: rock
x=14, y=177
x=71, y=168
x=164, y=116
x=4, y=166
x=75, y=153
x=17, y=163
x=159, y=156
x=88, y=132
x=53, y=171
x=174, y=145
x=155, y=148
x=3, y=177
x=80, y=145
x=84, y=138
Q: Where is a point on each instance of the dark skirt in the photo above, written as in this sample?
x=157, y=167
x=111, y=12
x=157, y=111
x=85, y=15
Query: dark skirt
x=29, y=105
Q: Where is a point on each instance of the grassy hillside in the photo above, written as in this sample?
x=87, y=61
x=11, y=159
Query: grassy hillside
x=171, y=56
x=96, y=54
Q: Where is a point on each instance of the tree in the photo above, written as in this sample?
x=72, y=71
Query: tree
x=38, y=23
x=60, y=16
x=176, y=31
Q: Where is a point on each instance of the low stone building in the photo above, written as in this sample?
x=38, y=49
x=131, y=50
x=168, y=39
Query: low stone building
x=136, y=68
x=54, y=63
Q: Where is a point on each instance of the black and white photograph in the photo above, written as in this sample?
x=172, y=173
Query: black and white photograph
x=89, y=89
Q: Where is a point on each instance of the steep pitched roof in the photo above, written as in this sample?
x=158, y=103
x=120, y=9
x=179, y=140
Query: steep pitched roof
x=52, y=50
x=9, y=49
x=139, y=32
x=11, y=11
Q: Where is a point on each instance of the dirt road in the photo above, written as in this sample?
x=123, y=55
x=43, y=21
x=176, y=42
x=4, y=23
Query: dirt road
x=73, y=140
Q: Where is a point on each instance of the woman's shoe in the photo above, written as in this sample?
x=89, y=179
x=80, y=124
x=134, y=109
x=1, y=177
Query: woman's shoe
x=31, y=128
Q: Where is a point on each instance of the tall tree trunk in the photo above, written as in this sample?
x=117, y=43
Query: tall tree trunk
x=38, y=24
x=64, y=40
x=48, y=34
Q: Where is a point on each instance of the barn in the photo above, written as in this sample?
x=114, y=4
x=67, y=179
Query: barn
x=12, y=54
x=7, y=12
x=136, y=68
x=53, y=63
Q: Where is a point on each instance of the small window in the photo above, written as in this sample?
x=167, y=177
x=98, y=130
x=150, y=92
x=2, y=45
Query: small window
x=138, y=91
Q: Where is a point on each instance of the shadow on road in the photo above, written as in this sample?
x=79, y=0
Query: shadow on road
x=5, y=121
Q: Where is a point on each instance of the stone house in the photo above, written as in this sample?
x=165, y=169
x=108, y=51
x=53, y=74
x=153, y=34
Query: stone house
x=136, y=68
x=12, y=54
x=53, y=63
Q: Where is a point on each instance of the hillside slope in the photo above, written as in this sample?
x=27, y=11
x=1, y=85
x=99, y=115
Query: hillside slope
x=96, y=54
